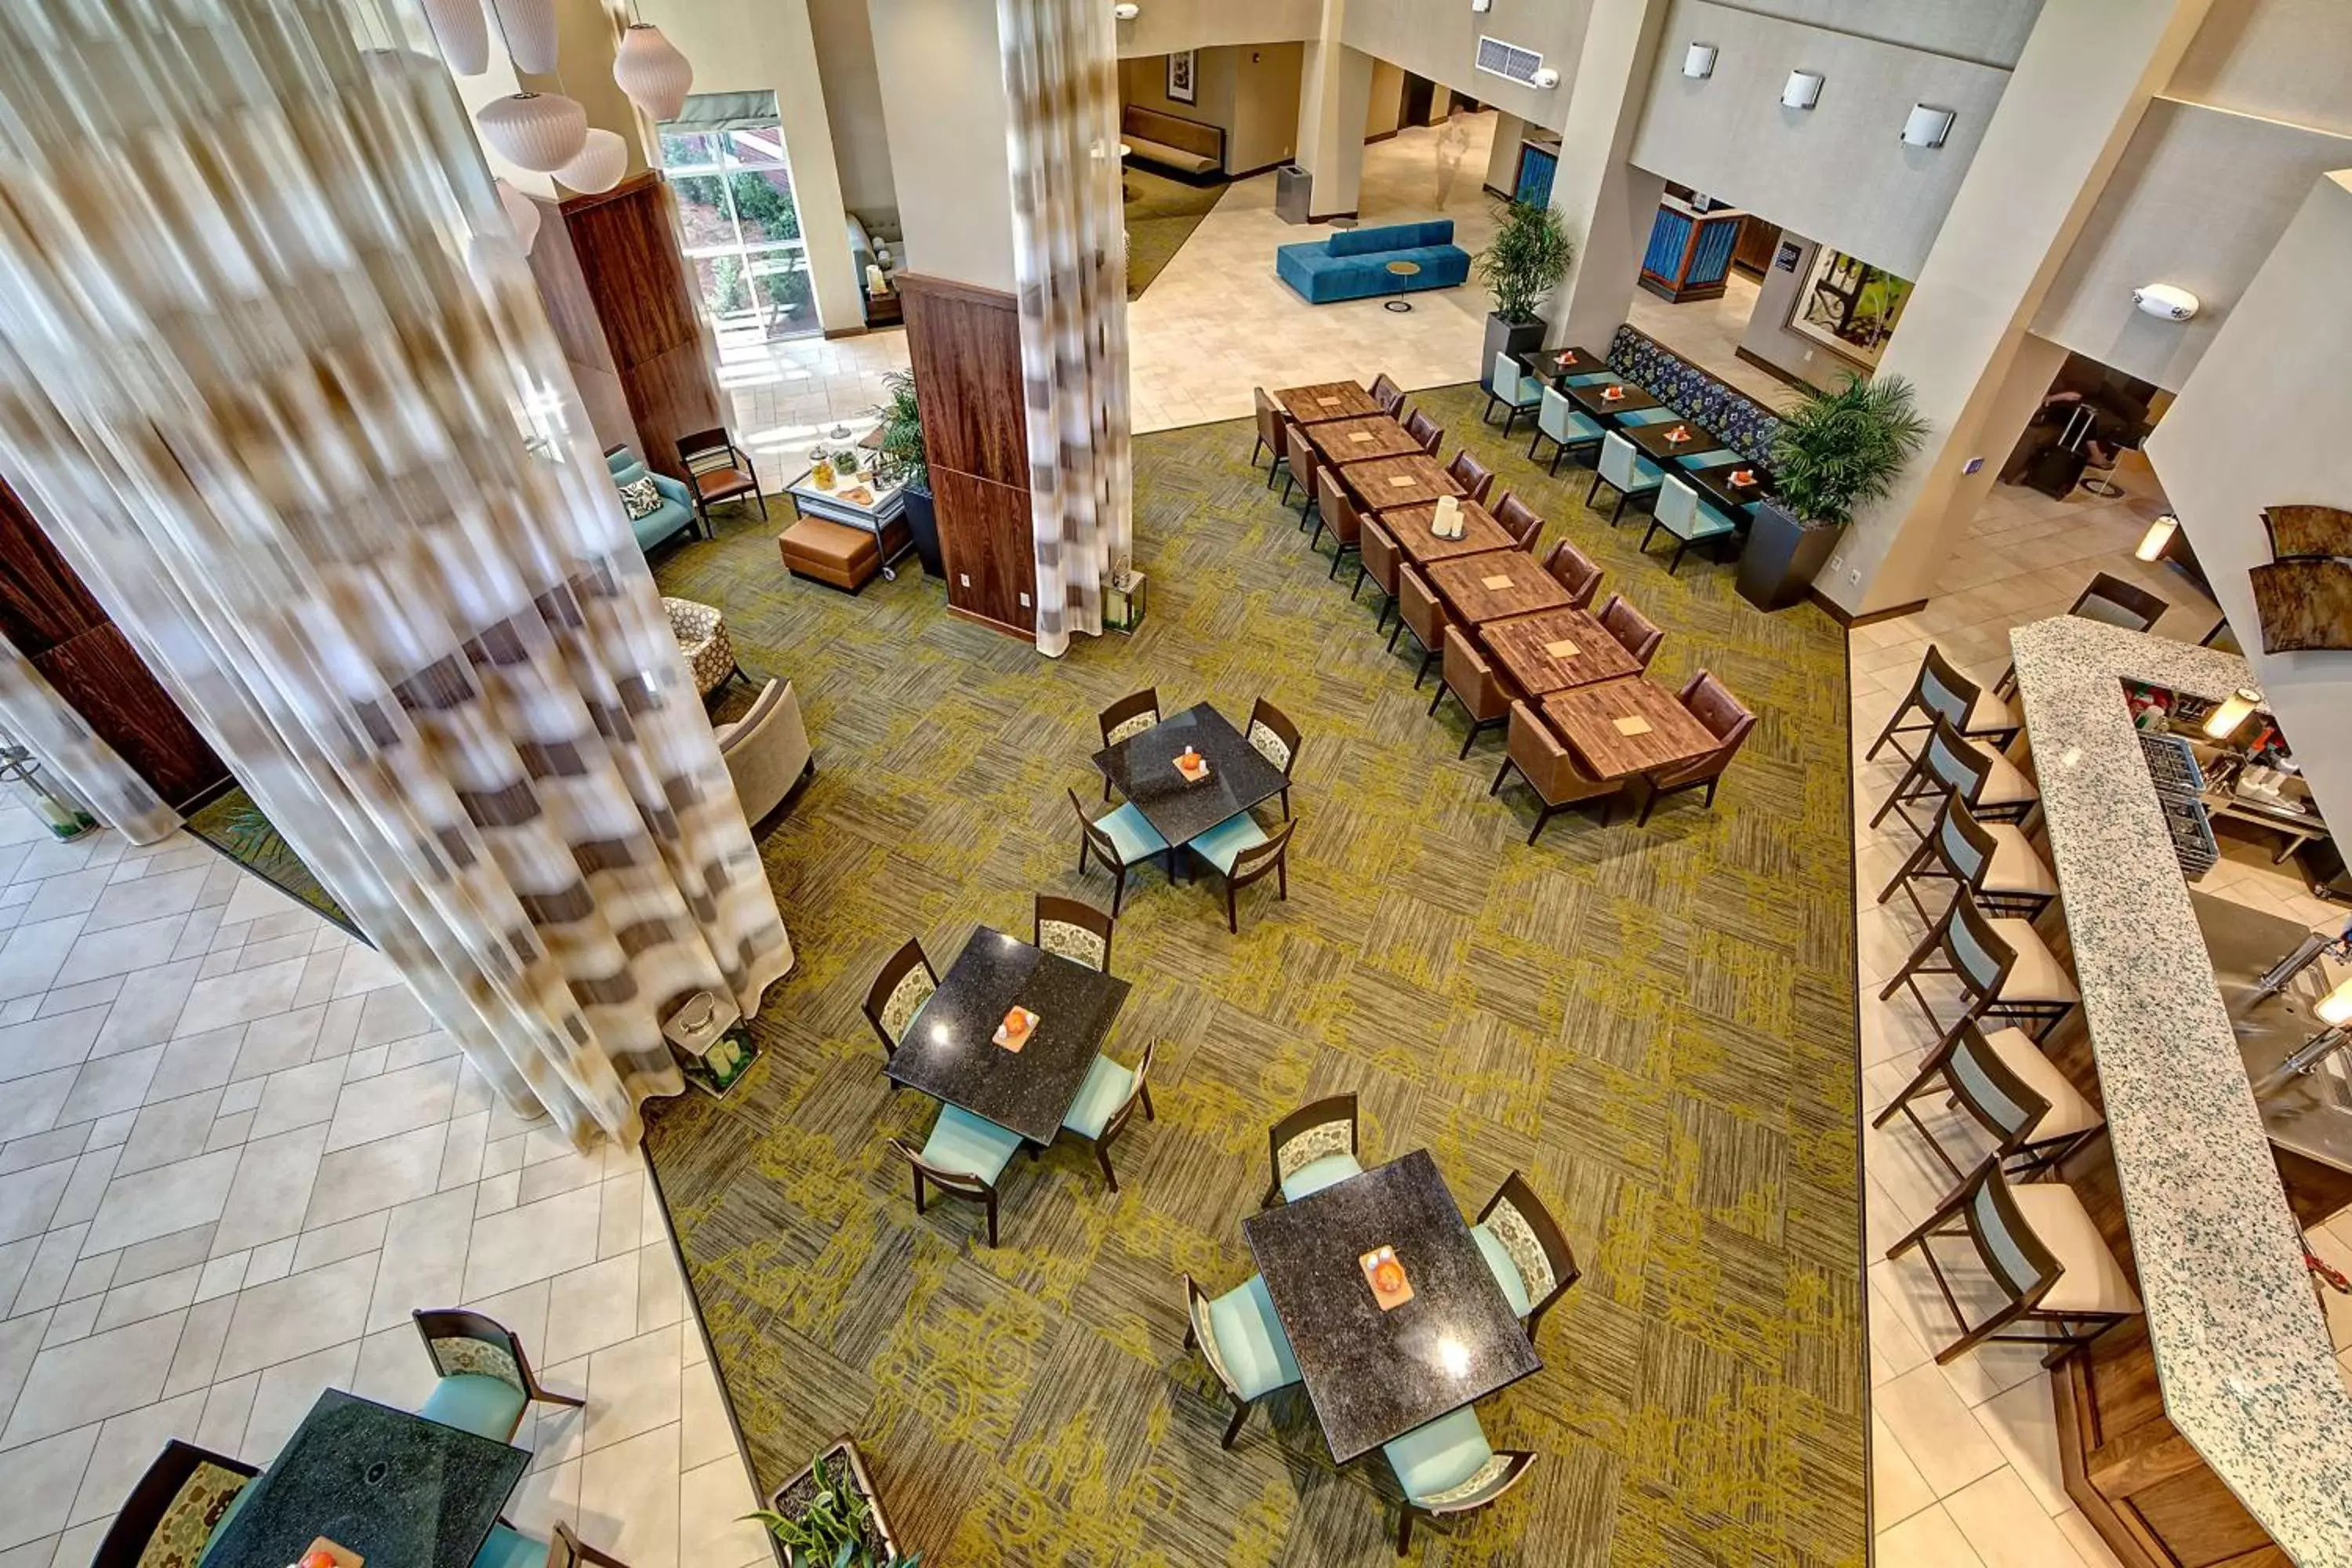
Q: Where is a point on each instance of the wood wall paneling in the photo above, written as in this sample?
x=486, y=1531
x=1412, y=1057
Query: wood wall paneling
x=984, y=544
x=964, y=345
x=572, y=313
x=626, y=242
x=42, y=602
x=99, y=674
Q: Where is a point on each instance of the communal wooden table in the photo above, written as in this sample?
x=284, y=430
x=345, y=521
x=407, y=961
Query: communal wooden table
x=1342, y=441
x=1495, y=586
x=1626, y=727
x=1553, y=650
x=1387, y=483
x=1409, y=526
x=1327, y=400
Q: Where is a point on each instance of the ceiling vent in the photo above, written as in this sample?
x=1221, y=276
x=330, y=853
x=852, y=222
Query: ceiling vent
x=1508, y=60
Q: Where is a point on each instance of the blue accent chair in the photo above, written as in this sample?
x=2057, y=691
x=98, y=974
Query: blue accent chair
x=1623, y=469
x=1510, y=385
x=675, y=511
x=1118, y=838
x=1353, y=263
x=963, y=1156
x=484, y=1380
x=1569, y=428
x=1304, y=1149
x=1107, y=1102
x=1447, y=1466
x=1241, y=1338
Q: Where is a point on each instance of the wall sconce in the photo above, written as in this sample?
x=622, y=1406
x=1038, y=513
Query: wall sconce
x=2164, y=302
x=2335, y=1009
x=1698, y=61
x=2232, y=711
x=1927, y=127
x=1803, y=91
x=2159, y=534
x=1125, y=13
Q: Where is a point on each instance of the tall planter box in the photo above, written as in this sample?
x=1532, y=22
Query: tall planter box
x=1506, y=338
x=923, y=522
x=1784, y=553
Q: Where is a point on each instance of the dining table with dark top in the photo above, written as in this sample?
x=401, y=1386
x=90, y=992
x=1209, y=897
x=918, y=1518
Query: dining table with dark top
x=1493, y=587
x=1327, y=400
x=391, y=1486
x=1343, y=441
x=1633, y=399
x=1626, y=727
x=949, y=1052
x=1144, y=768
x=1375, y=1373
x=1557, y=365
x=1409, y=526
x=1656, y=439
x=1717, y=483
x=1553, y=650
x=1386, y=483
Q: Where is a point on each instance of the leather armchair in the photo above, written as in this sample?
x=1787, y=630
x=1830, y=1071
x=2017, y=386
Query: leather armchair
x=1486, y=695
x=1550, y=769
x=1713, y=705
x=767, y=749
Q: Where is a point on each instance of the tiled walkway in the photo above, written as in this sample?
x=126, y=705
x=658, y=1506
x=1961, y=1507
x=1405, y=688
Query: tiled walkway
x=235, y=1155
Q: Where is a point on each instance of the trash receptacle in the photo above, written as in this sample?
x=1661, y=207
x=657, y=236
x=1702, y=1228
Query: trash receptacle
x=1785, y=552
x=1293, y=194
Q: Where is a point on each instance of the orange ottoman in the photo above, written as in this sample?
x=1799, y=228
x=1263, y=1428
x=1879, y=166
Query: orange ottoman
x=833, y=554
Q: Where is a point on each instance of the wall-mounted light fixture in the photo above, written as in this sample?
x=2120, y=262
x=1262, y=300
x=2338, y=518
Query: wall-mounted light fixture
x=2232, y=711
x=1698, y=61
x=1927, y=127
x=1127, y=13
x=2164, y=302
x=2335, y=1009
x=1803, y=91
x=2159, y=534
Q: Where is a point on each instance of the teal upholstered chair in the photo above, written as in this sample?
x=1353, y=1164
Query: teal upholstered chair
x=1681, y=512
x=673, y=515
x=1446, y=1466
x=1107, y=1102
x=1569, y=427
x=1514, y=388
x=511, y=1548
x=1524, y=1249
x=1242, y=1339
x=1312, y=1148
x=1119, y=839
x=964, y=1156
x=180, y=1506
x=485, y=1379
x=1243, y=852
x=1623, y=469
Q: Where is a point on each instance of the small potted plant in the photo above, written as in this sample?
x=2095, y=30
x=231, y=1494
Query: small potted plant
x=1524, y=263
x=830, y=1515
x=1835, y=452
x=901, y=461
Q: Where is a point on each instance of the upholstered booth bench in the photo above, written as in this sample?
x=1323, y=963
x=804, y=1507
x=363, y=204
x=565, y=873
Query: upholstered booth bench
x=1360, y=263
x=1186, y=146
x=1746, y=426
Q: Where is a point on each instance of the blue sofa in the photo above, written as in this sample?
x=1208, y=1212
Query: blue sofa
x=1353, y=264
x=676, y=510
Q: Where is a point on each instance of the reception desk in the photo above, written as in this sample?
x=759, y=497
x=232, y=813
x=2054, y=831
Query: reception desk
x=2219, y=1429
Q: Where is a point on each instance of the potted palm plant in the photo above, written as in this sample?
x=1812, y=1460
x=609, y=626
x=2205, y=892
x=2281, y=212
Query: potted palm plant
x=830, y=1515
x=1835, y=452
x=901, y=461
x=1520, y=266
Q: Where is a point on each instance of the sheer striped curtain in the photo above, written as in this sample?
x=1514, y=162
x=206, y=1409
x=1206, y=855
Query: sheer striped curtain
x=274, y=376
x=1069, y=261
x=73, y=754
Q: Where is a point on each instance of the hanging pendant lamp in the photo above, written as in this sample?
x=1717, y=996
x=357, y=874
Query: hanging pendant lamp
x=522, y=212
x=464, y=38
x=649, y=68
x=530, y=30
x=539, y=131
x=599, y=165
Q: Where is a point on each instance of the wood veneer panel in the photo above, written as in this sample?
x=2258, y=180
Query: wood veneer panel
x=672, y=395
x=965, y=345
x=626, y=246
x=984, y=537
x=97, y=672
x=42, y=602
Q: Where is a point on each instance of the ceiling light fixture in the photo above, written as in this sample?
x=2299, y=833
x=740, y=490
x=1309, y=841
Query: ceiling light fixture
x=537, y=131
x=464, y=36
x=2164, y=302
x=598, y=167
x=1127, y=13
x=649, y=68
x=529, y=28
x=522, y=214
x=2159, y=534
x=1803, y=91
x=1698, y=61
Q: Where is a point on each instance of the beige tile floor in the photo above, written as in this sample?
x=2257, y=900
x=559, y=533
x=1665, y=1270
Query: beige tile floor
x=235, y=1155
x=1707, y=332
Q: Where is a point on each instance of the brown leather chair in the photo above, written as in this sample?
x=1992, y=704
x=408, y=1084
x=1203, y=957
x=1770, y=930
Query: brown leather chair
x=1519, y=521
x=1377, y=561
x=1388, y=395
x=1632, y=629
x=1425, y=430
x=1551, y=771
x=1574, y=571
x=1273, y=436
x=1301, y=471
x=718, y=471
x=1336, y=510
x=1474, y=478
x=1421, y=611
x=1485, y=693
x=1712, y=704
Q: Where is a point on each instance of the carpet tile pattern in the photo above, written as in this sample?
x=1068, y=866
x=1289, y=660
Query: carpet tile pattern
x=1656, y=1025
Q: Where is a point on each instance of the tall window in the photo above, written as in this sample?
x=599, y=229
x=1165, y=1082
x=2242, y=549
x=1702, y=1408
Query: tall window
x=725, y=158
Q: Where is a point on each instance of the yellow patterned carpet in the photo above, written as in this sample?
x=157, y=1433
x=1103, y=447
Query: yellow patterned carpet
x=1655, y=1024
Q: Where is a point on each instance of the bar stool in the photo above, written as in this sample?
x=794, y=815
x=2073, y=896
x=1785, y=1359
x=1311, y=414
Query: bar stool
x=2045, y=1256
x=1989, y=785
x=1994, y=860
x=2000, y=961
x=1939, y=691
x=2015, y=1093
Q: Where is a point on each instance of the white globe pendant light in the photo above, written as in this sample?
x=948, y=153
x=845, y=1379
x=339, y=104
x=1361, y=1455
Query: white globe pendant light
x=539, y=131
x=600, y=165
x=530, y=30
x=649, y=68
x=522, y=212
x=465, y=38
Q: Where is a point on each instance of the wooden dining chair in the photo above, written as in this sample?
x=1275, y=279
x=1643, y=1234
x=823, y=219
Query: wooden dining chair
x=897, y=993
x=1336, y=510
x=2060, y=1283
x=964, y=1157
x=1270, y=438
x=1941, y=692
x=1242, y=852
x=1520, y=521
x=1421, y=611
x=1242, y=1338
x=1994, y=860
x=185, y=1499
x=1710, y=702
x=1121, y=840
x=1124, y=719
x=1993, y=788
x=1485, y=692
x=1425, y=430
x=483, y=1380
x=1575, y=570
x=1312, y=1148
x=2033, y=1111
x=718, y=471
x=1525, y=1249
x=1634, y=631
x=1107, y=1101
x=1301, y=471
x=1476, y=479
x=2001, y=964
x=1273, y=736
x=1551, y=771
x=1377, y=561
x=1388, y=395
x=1446, y=1468
x=2105, y=598
x=1079, y=931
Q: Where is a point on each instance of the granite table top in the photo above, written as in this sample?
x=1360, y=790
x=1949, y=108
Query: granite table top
x=399, y=1490
x=2241, y=1349
x=1374, y=1374
x=1144, y=768
x=949, y=1052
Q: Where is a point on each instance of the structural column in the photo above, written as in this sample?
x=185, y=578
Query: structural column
x=2071, y=106
x=1605, y=203
x=1335, y=93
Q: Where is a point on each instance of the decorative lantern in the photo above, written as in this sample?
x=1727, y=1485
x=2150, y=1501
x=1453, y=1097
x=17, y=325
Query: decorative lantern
x=530, y=30
x=649, y=68
x=599, y=165
x=465, y=40
x=537, y=131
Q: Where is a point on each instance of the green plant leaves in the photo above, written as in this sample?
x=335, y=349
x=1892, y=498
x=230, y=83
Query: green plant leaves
x=1526, y=260
x=1840, y=451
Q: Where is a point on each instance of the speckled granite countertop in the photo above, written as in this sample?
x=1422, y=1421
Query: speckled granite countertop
x=2240, y=1347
